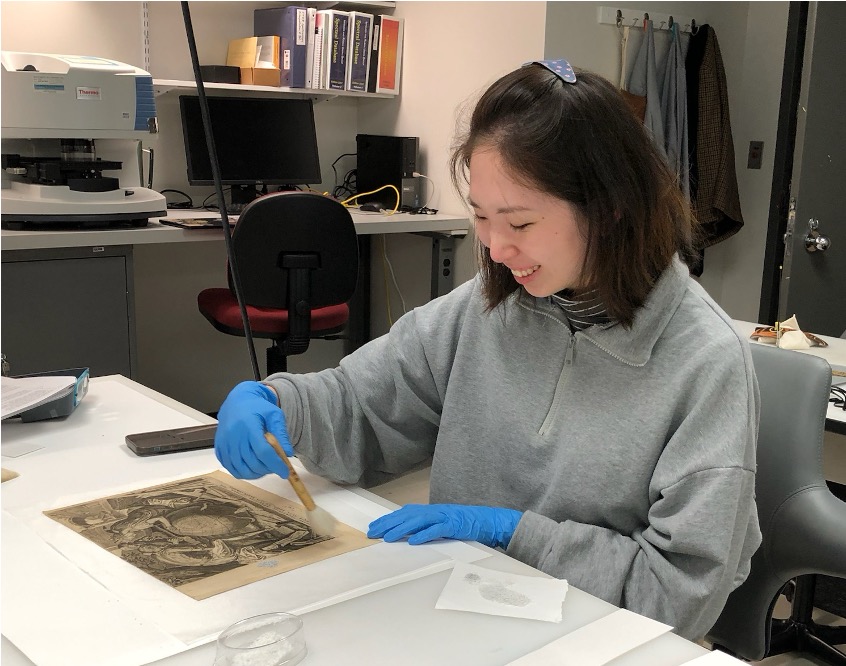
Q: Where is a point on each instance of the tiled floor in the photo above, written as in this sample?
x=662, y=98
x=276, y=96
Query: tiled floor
x=414, y=488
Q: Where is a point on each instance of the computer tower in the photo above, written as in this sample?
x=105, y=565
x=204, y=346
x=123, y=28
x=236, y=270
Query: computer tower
x=387, y=160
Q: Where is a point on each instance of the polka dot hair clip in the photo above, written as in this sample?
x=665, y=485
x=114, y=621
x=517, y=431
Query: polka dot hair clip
x=561, y=68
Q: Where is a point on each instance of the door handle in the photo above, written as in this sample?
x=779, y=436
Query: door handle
x=814, y=240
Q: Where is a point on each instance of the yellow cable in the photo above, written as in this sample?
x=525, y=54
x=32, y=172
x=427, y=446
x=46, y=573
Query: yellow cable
x=345, y=202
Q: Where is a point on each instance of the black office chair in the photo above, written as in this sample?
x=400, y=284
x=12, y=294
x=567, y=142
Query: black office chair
x=803, y=523
x=297, y=255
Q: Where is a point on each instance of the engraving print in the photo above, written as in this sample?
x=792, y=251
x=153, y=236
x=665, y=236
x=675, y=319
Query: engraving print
x=206, y=534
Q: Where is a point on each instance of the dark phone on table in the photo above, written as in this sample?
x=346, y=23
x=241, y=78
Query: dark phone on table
x=171, y=441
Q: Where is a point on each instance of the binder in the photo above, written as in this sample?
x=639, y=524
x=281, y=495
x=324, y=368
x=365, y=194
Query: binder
x=291, y=25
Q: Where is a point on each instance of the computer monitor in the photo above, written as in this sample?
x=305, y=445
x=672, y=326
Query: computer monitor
x=259, y=141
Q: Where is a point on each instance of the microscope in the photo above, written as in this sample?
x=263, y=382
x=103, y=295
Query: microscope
x=69, y=125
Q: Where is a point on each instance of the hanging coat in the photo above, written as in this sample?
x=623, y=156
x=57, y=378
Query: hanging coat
x=713, y=176
x=644, y=82
x=674, y=111
x=629, y=46
x=630, y=41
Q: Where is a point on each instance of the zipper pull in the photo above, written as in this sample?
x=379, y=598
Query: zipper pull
x=571, y=351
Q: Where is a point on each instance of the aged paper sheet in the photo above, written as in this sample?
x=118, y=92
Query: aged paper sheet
x=8, y=475
x=207, y=534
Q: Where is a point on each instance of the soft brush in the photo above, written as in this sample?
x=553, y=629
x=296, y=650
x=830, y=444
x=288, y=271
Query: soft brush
x=321, y=521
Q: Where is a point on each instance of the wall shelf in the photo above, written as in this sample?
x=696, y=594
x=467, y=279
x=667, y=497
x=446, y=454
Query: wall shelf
x=164, y=86
x=353, y=4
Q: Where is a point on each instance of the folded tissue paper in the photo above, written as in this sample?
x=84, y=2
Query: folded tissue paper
x=480, y=590
x=788, y=335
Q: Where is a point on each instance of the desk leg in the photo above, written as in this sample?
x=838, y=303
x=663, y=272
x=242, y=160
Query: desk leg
x=359, y=325
x=443, y=256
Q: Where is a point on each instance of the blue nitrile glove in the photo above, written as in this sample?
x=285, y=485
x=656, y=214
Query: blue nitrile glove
x=427, y=522
x=248, y=412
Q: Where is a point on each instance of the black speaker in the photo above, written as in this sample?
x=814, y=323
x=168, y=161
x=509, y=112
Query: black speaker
x=387, y=160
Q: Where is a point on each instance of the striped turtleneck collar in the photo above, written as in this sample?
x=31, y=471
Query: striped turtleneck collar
x=582, y=310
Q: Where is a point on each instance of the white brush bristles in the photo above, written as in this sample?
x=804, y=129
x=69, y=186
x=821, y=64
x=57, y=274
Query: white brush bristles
x=321, y=521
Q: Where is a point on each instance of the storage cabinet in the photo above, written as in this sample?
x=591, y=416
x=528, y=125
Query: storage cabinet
x=69, y=308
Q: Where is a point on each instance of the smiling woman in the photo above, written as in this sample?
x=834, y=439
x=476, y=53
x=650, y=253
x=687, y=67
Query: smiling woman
x=542, y=142
x=536, y=236
x=586, y=406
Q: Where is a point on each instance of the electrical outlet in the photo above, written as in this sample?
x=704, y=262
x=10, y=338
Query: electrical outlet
x=756, y=153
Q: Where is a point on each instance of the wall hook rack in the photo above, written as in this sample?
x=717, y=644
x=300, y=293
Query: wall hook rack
x=634, y=18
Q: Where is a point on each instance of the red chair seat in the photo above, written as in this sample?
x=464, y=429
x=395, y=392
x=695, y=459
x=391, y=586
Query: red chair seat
x=220, y=307
x=292, y=248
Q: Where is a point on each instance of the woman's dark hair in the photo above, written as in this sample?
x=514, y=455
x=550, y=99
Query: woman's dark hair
x=581, y=143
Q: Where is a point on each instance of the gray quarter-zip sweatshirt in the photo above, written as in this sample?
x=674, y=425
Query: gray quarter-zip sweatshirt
x=630, y=452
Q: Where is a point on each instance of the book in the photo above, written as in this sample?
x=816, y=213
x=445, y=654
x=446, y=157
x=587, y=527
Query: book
x=311, y=13
x=335, y=56
x=290, y=24
x=321, y=20
x=373, y=58
x=361, y=27
x=389, y=63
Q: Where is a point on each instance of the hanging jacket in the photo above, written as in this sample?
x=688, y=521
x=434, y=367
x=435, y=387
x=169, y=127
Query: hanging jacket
x=644, y=83
x=630, y=41
x=674, y=111
x=713, y=176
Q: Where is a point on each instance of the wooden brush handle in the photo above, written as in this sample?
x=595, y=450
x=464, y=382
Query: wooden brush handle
x=296, y=482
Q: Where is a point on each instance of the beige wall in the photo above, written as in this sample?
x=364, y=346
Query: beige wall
x=734, y=268
x=104, y=29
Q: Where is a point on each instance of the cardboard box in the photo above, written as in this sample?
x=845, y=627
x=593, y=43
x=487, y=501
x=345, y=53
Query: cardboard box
x=257, y=58
x=261, y=76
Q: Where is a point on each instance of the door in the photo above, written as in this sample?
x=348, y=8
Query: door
x=813, y=284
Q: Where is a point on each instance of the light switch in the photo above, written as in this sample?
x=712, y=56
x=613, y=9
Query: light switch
x=756, y=153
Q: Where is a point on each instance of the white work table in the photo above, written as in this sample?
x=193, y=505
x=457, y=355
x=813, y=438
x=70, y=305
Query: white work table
x=395, y=624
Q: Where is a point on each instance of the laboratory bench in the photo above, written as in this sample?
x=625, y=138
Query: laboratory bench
x=366, y=224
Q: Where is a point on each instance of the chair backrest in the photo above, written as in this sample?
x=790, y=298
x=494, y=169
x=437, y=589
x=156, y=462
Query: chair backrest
x=795, y=506
x=794, y=399
x=278, y=229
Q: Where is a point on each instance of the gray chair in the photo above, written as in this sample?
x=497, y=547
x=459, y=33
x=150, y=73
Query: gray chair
x=803, y=523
